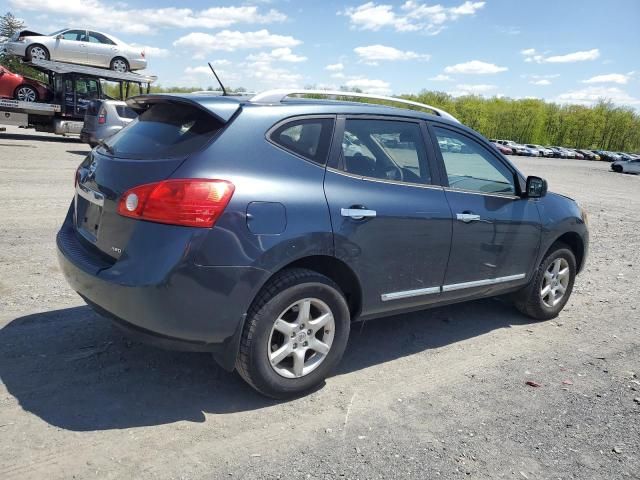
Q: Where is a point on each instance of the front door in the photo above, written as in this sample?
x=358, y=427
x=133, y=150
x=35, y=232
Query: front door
x=71, y=47
x=496, y=233
x=391, y=223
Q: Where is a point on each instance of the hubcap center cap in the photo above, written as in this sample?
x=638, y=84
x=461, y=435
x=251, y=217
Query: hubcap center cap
x=301, y=337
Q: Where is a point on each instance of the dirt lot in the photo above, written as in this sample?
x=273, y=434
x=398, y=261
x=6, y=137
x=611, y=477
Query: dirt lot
x=436, y=394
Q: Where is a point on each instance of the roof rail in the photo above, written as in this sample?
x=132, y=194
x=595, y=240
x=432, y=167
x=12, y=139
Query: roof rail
x=276, y=96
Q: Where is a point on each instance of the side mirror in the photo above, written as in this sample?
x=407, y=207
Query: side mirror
x=59, y=37
x=536, y=187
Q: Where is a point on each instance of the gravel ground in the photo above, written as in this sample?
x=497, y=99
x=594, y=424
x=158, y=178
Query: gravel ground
x=434, y=394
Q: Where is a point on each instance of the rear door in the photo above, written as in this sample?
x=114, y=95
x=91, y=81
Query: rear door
x=496, y=233
x=100, y=49
x=390, y=219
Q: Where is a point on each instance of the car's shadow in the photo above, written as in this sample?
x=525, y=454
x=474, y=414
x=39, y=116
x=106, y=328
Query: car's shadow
x=73, y=370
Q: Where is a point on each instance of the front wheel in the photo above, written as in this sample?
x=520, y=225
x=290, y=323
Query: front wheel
x=617, y=168
x=26, y=93
x=551, y=286
x=295, y=334
x=37, y=52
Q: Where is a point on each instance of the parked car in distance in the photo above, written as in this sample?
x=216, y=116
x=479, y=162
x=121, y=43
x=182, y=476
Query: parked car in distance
x=502, y=148
x=588, y=155
x=104, y=118
x=24, y=89
x=626, y=166
x=515, y=147
x=576, y=154
x=537, y=150
x=608, y=156
x=556, y=152
x=85, y=47
x=231, y=225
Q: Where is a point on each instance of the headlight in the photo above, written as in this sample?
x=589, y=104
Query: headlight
x=585, y=217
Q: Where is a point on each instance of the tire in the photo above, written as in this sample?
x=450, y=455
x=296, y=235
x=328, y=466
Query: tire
x=37, y=52
x=119, y=64
x=261, y=338
x=26, y=93
x=617, y=168
x=532, y=302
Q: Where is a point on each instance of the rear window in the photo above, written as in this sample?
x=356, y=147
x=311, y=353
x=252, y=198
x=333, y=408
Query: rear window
x=165, y=130
x=125, y=112
x=310, y=138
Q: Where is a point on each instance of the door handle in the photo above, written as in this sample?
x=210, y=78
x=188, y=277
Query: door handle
x=467, y=217
x=357, y=213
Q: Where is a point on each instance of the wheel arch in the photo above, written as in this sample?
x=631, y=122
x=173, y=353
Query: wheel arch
x=23, y=84
x=28, y=50
x=121, y=58
x=575, y=242
x=327, y=265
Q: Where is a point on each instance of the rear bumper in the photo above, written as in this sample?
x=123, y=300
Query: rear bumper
x=173, y=304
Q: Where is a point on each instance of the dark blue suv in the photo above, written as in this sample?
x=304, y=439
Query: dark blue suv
x=259, y=228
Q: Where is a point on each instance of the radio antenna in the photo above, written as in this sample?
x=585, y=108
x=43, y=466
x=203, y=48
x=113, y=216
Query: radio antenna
x=224, y=92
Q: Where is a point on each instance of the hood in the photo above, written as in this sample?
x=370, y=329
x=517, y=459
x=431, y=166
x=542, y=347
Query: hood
x=26, y=33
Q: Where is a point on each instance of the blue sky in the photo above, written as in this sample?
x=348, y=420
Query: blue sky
x=560, y=50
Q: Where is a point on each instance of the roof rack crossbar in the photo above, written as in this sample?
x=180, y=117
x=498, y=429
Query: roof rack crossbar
x=277, y=96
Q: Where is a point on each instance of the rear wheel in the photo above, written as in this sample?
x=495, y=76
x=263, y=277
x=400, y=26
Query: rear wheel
x=617, y=168
x=37, y=52
x=551, y=286
x=119, y=64
x=295, y=334
x=26, y=93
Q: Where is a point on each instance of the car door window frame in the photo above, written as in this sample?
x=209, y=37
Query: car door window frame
x=336, y=157
x=518, y=178
x=295, y=118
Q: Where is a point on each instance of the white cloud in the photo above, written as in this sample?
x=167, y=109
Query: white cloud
x=104, y=15
x=283, y=54
x=590, y=95
x=609, y=78
x=268, y=76
x=377, y=87
x=412, y=16
x=338, y=75
x=334, y=67
x=466, y=89
x=229, y=41
x=199, y=70
x=531, y=55
x=374, y=53
x=153, y=52
x=475, y=67
x=441, y=78
x=542, y=81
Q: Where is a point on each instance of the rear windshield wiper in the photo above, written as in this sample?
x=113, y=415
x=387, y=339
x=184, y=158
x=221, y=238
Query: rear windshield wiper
x=106, y=146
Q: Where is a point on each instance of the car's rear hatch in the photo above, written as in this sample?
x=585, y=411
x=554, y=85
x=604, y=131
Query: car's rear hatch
x=168, y=130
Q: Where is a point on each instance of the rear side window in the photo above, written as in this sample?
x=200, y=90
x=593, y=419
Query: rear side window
x=310, y=138
x=164, y=130
x=125, y=112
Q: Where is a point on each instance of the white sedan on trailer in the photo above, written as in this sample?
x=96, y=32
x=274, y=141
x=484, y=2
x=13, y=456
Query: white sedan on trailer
x=85, y=47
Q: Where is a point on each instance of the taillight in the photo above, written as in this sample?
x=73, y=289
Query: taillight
x=188, y=202
x=102, y=116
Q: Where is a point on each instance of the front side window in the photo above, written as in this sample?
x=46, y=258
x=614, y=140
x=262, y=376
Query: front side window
x=385, y=149
x=75, y=35
x=472, y=167
x=310, y=138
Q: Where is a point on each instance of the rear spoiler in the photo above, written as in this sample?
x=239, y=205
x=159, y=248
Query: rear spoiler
x=221, y=107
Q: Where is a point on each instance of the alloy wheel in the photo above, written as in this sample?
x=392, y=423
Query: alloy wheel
x=26, y=94
x=301, y=338
x=556, y=282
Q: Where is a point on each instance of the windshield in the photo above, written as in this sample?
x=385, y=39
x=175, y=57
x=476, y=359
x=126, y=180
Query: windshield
x=57, y=32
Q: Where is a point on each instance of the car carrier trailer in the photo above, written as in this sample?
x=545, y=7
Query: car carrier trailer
x=73, y=87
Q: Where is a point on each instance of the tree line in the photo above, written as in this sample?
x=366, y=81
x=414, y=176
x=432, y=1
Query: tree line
x=602, y=126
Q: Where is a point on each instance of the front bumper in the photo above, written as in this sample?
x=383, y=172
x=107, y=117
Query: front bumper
x=16, y=48
x=171, y=303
